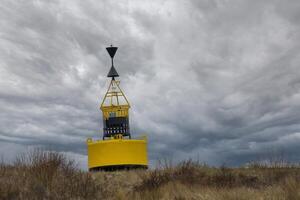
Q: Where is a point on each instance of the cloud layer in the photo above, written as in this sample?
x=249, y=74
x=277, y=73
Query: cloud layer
x=213, y=80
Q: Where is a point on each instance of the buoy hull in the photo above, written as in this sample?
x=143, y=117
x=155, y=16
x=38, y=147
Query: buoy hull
x=117, y=154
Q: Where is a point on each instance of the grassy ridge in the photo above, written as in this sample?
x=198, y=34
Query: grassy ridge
x=50, y=175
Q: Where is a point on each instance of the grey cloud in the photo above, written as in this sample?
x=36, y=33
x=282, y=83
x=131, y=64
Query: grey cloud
x=216, y=81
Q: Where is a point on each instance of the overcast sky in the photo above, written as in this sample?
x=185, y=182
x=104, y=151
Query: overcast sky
x=213, y=80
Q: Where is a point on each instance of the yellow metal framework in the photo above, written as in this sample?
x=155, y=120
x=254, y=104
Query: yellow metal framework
x=114, y=101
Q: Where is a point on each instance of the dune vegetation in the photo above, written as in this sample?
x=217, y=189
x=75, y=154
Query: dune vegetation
x=50, y=175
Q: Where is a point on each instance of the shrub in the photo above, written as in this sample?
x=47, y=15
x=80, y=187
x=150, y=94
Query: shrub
x=45, y=175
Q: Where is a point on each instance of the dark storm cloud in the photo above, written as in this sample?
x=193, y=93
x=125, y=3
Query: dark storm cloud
x=213, y=80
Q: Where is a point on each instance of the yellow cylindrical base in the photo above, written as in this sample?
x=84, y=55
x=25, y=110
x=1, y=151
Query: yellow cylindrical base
x=117, y=153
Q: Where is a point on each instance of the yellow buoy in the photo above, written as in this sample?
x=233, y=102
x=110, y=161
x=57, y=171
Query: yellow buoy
x=116, y=154
x=116, y=151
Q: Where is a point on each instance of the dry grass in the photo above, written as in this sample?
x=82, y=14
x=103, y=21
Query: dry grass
x=45, y=175
x=50, y=175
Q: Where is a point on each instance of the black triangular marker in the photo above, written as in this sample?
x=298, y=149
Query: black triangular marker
x=112, y=51
x=112, y=72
